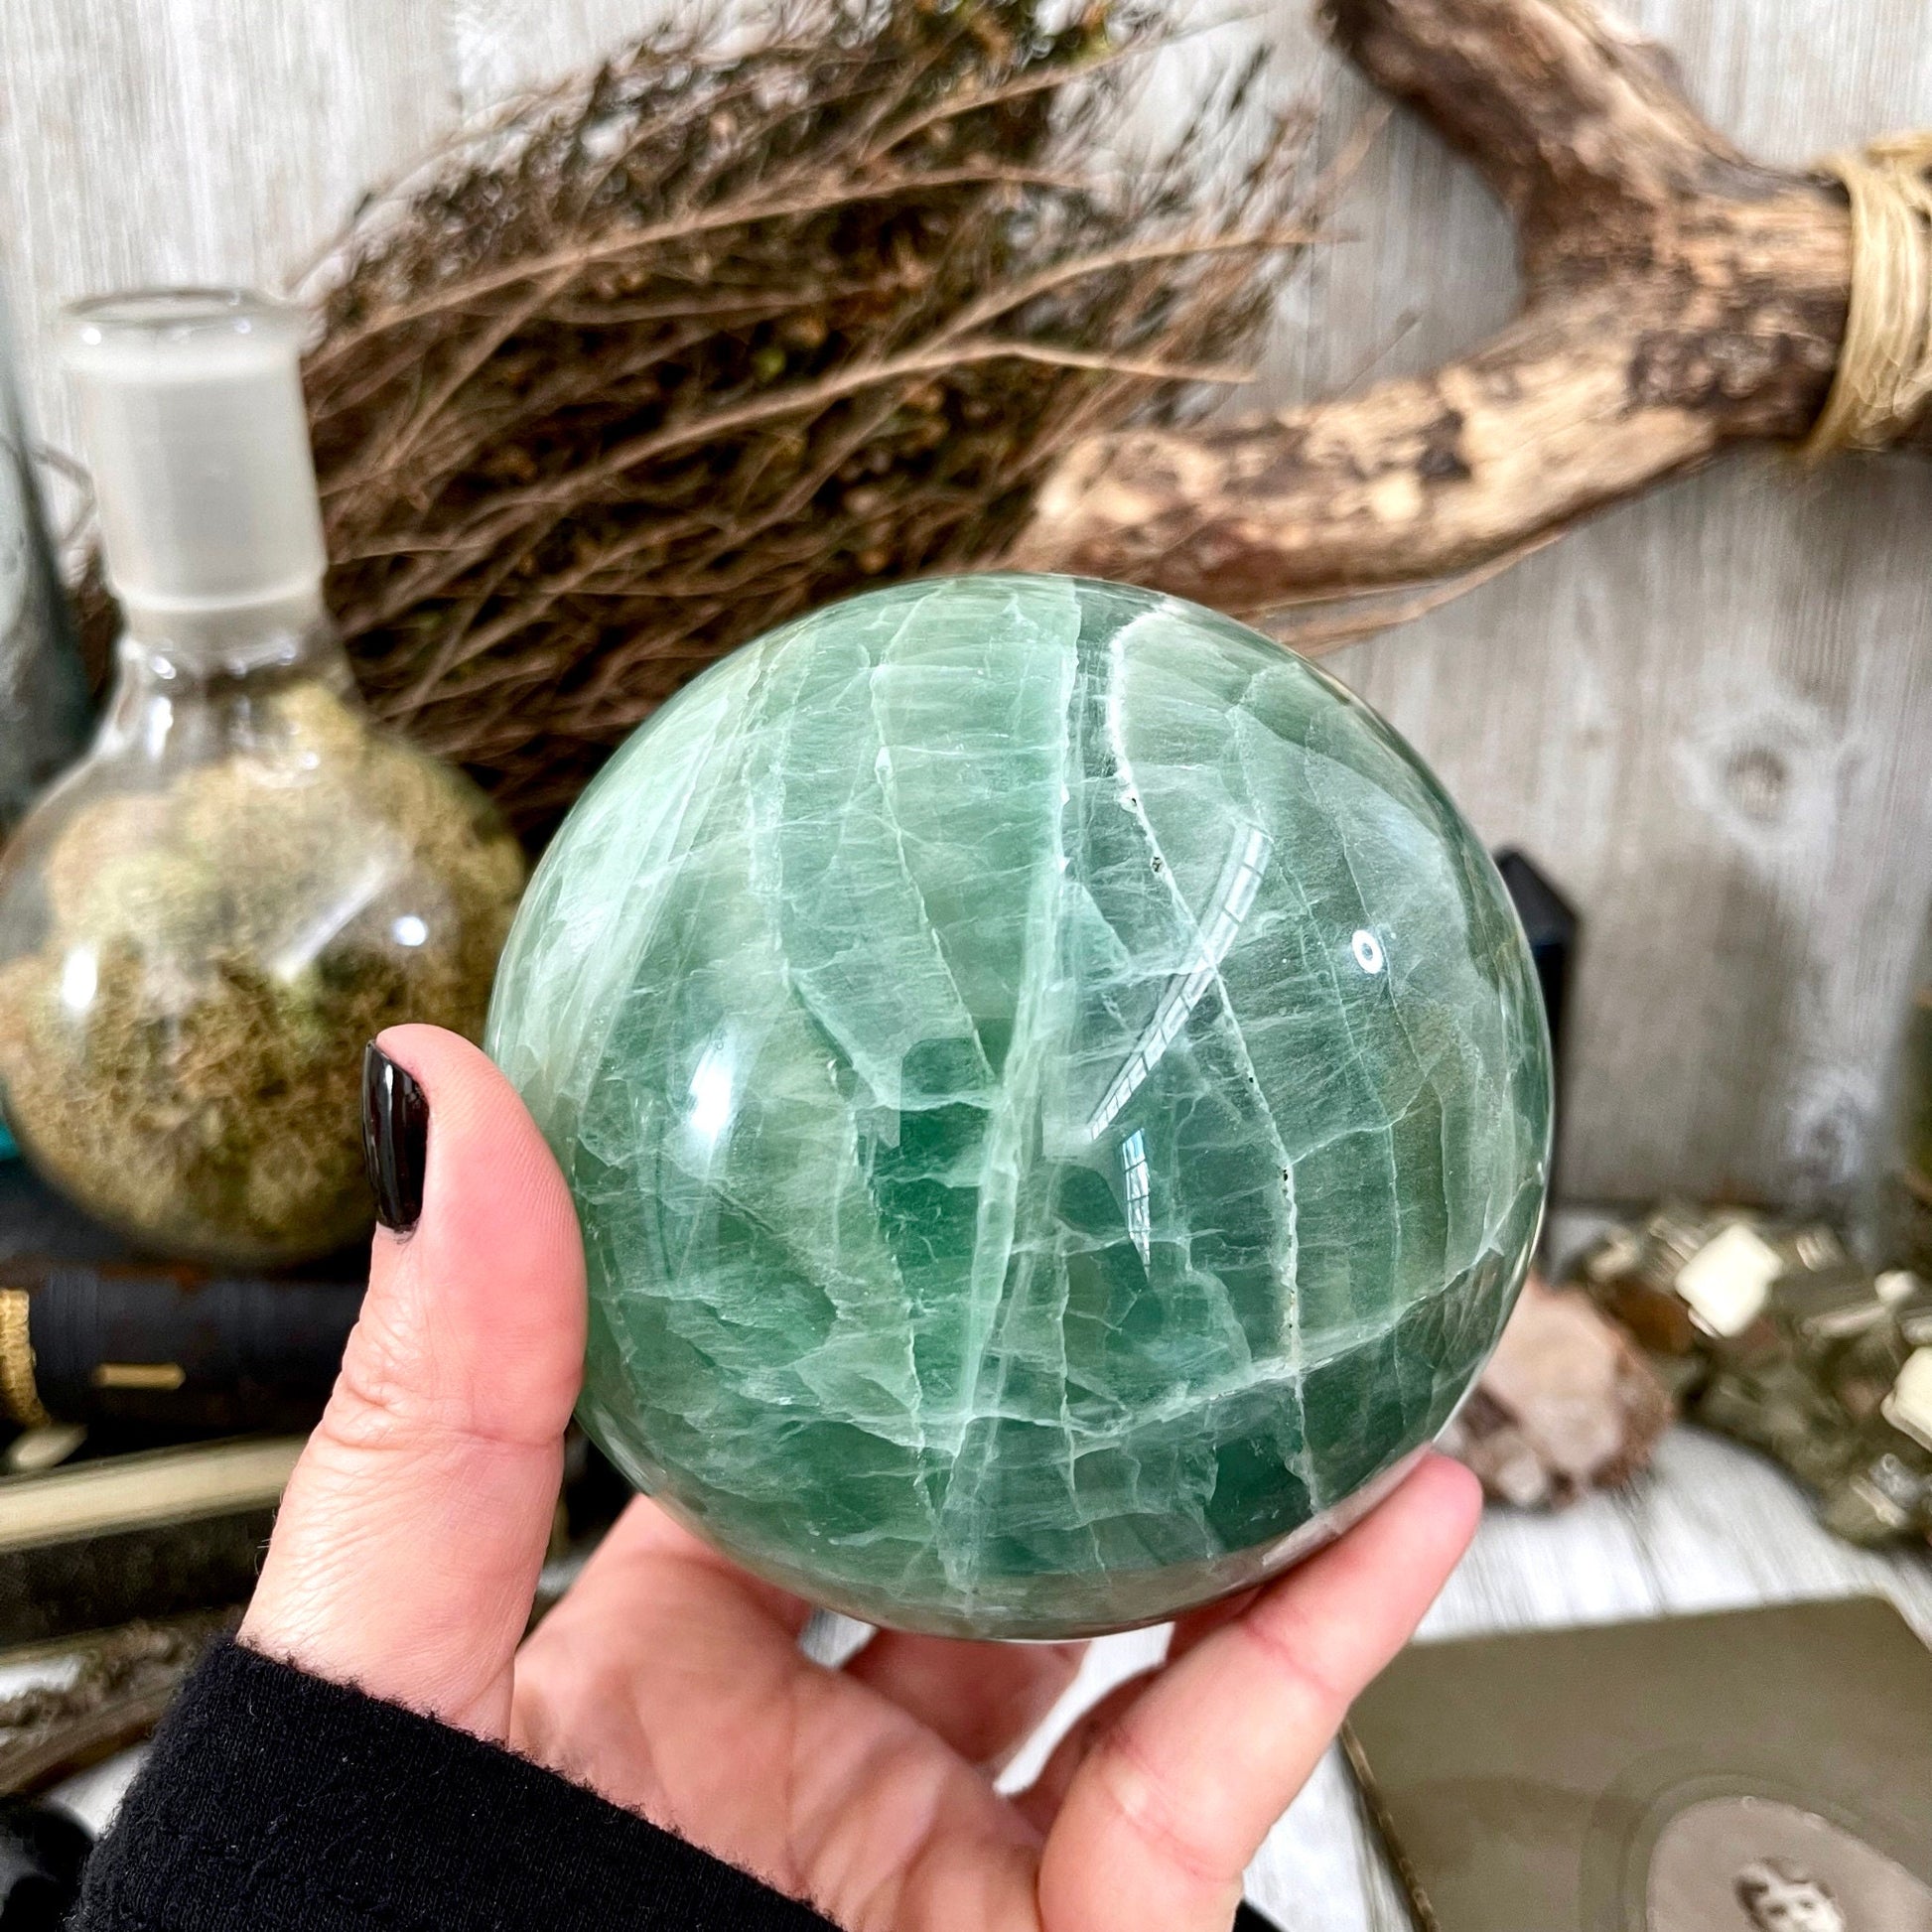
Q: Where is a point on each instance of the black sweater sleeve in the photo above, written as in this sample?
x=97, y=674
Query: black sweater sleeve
x=275, y=1802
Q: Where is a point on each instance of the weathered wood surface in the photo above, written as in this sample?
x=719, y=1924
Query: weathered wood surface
x=1708, y=714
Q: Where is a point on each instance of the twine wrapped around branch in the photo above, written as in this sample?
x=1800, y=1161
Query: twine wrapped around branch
x=1884, y=364
x=1680, y=299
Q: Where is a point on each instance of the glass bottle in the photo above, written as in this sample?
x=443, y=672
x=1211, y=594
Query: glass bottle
x=244, y=881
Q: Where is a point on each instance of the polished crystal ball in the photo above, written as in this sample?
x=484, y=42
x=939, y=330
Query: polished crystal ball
x=1057, y=1097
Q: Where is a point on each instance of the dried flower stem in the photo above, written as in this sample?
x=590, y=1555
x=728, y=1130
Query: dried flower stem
x=666, y=355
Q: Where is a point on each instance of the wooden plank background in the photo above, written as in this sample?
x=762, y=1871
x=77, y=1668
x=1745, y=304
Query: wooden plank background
x=1708, y=715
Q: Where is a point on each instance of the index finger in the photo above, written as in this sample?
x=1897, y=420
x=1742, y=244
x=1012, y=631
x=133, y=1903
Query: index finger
x=1173, y=1802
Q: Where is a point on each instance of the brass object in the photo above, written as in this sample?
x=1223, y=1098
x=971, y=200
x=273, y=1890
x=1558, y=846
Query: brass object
x=164, y=1376
x=19, y=1398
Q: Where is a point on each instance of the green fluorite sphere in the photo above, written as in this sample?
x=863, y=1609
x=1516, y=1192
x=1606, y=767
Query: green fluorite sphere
x=1057, y=1097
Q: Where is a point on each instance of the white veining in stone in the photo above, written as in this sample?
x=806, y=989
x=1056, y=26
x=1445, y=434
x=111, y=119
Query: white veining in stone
x=1055, y=1096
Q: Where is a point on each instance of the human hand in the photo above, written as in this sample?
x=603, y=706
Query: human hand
x=405, y=1561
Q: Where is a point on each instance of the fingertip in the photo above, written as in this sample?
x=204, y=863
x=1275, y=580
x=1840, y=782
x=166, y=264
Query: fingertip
x=1452, y=1492
x=491, y=1275
x=491, y=1172
x=1416, y=1535
x=1170, y=1804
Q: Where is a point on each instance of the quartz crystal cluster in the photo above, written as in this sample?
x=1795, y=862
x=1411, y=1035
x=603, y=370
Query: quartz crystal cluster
x=1056, y=1098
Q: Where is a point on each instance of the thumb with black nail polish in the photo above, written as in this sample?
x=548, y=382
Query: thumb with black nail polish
x=405, y=1557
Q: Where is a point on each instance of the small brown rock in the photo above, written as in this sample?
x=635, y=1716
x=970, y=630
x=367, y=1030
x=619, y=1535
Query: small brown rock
x=1567, y=1404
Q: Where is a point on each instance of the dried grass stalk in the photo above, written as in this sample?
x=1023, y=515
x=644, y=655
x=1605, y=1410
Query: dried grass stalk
x=676, y=351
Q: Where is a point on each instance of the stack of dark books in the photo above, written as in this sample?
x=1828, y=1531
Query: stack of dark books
x=150, y=1414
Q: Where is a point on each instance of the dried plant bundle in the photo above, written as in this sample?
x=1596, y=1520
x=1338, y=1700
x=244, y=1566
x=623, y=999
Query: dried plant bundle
x=684, y=349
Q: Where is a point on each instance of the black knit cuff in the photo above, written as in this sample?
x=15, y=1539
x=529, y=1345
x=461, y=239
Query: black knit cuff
x=274, y=1800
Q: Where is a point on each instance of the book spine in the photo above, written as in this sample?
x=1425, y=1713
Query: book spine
x=170, y=1348
x=1405, y=1868
x=88, y=1583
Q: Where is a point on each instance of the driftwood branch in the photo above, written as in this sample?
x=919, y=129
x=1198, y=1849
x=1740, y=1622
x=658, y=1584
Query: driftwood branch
x=1678, y=298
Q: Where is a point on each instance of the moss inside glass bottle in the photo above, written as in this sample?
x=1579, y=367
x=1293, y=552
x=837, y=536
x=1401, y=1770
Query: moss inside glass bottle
x=245, y=879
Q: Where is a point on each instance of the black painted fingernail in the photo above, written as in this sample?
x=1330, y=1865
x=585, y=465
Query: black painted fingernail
x=395, y=1139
